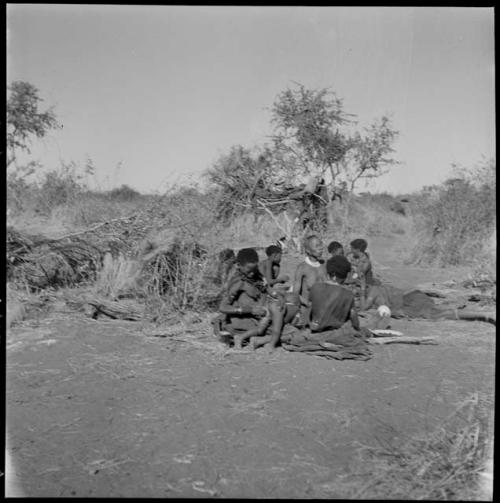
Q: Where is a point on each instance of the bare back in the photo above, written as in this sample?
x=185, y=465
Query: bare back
x=306, y=276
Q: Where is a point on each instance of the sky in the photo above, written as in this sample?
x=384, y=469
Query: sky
x=153, y=95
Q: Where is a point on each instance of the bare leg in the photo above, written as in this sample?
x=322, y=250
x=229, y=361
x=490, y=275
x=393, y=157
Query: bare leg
x=469, y=315
x=292, y=306
x=240, y=338
x=487, y=316
x=257, y=342
x=277, y=315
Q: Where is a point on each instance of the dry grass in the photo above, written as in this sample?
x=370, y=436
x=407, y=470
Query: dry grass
x=368, y=217
x=444, y=465
x=22, y=304
x=118, y=276
x=261, y=231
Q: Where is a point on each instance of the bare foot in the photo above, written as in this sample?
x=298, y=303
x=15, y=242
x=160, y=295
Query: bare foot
x=253, y=343
x=238, y=342
x=270, y=348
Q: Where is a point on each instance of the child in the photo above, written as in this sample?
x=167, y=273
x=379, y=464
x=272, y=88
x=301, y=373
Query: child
x=335, y=248
x=270, y=267
x=361, y=264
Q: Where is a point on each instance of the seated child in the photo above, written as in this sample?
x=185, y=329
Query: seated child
x=335, y=248
x=270, y=268
x=360, y=261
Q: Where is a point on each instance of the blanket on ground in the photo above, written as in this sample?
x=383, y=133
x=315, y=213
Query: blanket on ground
x=340, y=344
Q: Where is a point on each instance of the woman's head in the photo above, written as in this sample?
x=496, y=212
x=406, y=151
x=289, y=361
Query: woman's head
x=248, y=260
x=338, y=267
x=274, y=253
x=335, y=248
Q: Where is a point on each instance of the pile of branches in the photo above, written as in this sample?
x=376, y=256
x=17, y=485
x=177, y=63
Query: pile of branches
x=36, y=262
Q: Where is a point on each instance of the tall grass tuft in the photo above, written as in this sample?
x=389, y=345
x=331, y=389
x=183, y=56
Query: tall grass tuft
x=444, y=465
x=118, y=277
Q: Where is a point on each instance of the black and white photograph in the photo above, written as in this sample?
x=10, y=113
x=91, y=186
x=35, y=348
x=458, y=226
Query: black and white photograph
x=250, y=252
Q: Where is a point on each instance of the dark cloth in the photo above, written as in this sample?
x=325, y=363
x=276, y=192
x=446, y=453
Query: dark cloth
x=331, y=334
x=340, y=344
x=330, y=306
x=417, y=304
x=413, y=304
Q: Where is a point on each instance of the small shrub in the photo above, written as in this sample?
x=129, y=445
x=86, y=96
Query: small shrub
x=455, y=220
x=124, y=194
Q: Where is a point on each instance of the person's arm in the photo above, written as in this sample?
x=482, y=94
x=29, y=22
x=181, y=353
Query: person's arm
x=227, y=303
x=297, y=281
x=366, y=300
x=363, y=266
x=230, y=295
x=267, y=272
x=277, y=317
x=280, y=279
x=353, y=316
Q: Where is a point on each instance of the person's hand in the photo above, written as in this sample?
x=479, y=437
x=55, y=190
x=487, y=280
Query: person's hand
x=284, y=278
x=259, y=311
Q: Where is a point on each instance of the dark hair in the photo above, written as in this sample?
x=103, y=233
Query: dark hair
x=334, y=246
x=247, y=255
x=359, y=244
x=339, y=266
x=227, y=254
x=272, y=249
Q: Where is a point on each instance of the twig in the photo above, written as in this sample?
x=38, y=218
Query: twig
x=267, y=210
x=97, y=226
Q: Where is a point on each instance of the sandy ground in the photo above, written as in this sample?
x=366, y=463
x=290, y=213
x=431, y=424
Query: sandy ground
x=103, y=408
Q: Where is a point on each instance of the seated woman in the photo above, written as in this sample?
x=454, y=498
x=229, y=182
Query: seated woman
x=416, y=304
x=246, y=309
x=332, y=313
x=334, y=325
x=332, y=304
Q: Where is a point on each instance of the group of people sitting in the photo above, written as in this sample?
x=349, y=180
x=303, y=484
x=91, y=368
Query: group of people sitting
x=258, y=303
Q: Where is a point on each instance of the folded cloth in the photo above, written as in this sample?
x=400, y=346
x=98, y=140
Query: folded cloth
x=342, y=343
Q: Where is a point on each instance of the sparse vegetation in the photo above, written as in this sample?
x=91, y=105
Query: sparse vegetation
x=161, y=250
x=456, y=221
x=442, y=465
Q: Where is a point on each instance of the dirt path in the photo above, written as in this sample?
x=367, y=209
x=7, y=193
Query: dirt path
x=103, y=409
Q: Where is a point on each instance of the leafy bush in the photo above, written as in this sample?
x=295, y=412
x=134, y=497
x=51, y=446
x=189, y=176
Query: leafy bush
x=455, y=221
